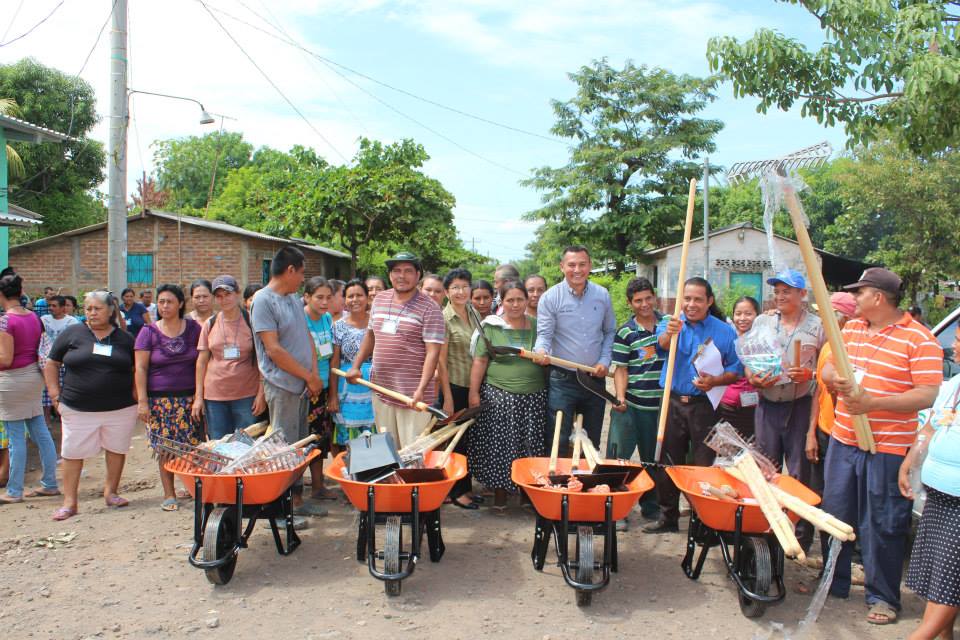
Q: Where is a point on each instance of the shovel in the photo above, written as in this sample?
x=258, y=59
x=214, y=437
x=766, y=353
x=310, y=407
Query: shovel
x=396, y=395
x=437, y=473
x=597, y=387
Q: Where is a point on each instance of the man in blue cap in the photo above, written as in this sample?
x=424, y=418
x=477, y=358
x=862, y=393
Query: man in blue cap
x=786, y=398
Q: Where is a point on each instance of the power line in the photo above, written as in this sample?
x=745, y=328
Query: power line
x=13, y=19
x=290, y=41
x=373, y=95
x=270, y=80
x=31, y=29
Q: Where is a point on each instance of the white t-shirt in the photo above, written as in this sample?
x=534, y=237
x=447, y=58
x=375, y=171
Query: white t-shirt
x=54, y=327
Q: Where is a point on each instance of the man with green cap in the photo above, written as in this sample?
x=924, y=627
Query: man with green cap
x=405, y=334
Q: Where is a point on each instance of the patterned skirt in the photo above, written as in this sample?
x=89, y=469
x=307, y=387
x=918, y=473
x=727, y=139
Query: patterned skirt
x=4, y=439
x=934, y=572
x=512, y=428
x=170, y=418
x=356, y=408
x=45, y=400
x=320, y=423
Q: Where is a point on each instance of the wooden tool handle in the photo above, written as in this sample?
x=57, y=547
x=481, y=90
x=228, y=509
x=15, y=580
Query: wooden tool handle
x=453, y=443
x=590, y=454
x=555, y=450
x=575, y=460
x=677, y=308
x=796, y=352
x=861, y=425
x=302, y=443
x=560, y=362
x=258, y=429
x=390, y=393
x=430, y=424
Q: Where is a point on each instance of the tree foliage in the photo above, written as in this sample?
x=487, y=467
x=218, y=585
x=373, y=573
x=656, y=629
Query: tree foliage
x=885, y=66
x=58, y=179
x=634, y=138
x=185, y=166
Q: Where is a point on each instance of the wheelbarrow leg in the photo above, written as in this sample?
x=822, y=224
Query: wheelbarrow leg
x=541, y=543
x=362, y=537
x=434, y=535
x=285, y=504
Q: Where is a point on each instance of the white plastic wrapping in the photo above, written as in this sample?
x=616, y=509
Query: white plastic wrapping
x=772, y=186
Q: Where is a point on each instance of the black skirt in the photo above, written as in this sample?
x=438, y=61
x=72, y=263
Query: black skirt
x=934, y=572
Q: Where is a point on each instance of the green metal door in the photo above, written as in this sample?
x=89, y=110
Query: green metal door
x=748, y=281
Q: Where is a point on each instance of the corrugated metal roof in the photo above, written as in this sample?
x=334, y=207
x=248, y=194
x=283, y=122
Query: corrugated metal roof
x=28, y=132
x=15, y=220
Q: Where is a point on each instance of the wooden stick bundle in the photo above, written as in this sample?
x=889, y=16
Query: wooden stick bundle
x=453, y=443
x=677, y=307
x=433, y=440
x=861, y=425
x=823, y=520
x=555, y=449
x=779, y=522
x=575, y=459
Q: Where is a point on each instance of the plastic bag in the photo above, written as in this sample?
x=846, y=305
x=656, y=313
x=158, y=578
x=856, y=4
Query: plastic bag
x=759, y=350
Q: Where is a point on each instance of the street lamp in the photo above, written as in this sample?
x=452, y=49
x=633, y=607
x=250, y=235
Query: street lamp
x=205, y=117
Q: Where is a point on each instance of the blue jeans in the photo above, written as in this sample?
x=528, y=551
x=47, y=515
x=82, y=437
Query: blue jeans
x=568, y=396
x=635, y=429
x=861, y=489
x=40, y=435
x=226, y=416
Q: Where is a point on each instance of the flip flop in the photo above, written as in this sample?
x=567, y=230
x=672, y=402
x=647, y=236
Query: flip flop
x=881, y=609
x=169, y=504
x=116, y=501
x=64, y=513
x=41, y=493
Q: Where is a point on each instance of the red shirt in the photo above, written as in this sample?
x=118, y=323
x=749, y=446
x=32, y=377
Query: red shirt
x=398, y=355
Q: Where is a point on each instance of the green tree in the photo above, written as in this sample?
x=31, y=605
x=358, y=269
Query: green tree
x=382, y=198
x=902, y=212
x=885, y=66
x=58, y=180
x=185, y=165
x=634, y=138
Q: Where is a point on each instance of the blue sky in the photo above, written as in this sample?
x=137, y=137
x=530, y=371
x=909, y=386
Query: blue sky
x=499, y=59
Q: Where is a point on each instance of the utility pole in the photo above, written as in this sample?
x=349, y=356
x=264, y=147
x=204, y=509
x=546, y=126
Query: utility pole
x=117, y=153
x=706, y=219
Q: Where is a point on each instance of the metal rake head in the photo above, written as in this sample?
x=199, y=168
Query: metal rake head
x=187, y=457
x=729, y=444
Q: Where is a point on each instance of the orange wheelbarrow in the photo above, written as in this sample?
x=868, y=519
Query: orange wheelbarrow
x=562, y=513
x=415, y=505
x=222, y=501
x=751, y=553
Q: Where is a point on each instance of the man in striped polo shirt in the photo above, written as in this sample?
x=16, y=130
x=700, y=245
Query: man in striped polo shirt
x=633, y=424
x=405, y=335
x=898, y=365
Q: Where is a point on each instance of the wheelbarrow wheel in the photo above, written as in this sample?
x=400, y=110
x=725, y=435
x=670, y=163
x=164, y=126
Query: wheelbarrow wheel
x=585, y=560
x=391, y=554
x=757, y=575
x=219, y=538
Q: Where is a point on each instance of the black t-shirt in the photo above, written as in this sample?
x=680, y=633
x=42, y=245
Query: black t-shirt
x=94, y=382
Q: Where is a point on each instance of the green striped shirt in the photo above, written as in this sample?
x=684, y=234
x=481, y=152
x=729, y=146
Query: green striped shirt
x=459, y=360
x=636, y=348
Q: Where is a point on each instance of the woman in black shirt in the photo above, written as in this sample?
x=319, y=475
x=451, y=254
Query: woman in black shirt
x=96, y=402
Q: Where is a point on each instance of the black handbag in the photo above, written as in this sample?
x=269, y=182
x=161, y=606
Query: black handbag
x=372, y=456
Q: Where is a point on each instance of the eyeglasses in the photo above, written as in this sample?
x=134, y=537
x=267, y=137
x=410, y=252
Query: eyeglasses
x=460, y=288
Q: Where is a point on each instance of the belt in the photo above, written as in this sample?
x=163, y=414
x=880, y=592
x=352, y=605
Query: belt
x=688, y=399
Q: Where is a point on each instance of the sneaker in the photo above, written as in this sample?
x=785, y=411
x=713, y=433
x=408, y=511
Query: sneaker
x=623, y=525
x=662, y=526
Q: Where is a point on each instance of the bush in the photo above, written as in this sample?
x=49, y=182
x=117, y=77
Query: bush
x=727, y=296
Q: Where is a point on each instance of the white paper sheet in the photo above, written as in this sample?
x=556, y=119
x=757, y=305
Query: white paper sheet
x=709, y=362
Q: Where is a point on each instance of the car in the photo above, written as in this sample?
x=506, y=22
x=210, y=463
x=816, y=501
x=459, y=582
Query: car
x=946, y=331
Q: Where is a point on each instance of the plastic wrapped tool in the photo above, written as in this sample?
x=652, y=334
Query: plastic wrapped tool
x=759, y=350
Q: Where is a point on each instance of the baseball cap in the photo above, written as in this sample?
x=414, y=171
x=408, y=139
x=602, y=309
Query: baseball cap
x=404, y=256
x=878, y=278
x=844, y=302
x=225, y=282
x=789, y=277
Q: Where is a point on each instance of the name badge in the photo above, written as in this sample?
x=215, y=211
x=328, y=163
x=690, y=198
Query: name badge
x=390, y=326
x=325, y=350
x=859, y=374
x=749, y=398
x=231, y=352
x=104, y=350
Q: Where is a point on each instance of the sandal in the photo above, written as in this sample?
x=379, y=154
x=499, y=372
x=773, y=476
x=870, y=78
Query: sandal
x=6, y=498
x=183, y=494
x=41, y=493
x=64, y=513
x=116, y=501
x=169, y=504
x=881, y=613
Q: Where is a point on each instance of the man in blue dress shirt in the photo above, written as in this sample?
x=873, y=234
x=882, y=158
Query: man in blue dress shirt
x=575, y=322
x=691, y=415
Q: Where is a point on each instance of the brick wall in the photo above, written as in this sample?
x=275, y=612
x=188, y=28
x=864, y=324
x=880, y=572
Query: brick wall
x=79, y=263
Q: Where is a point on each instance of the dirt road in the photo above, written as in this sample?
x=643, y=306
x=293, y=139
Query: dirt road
x=124, y=574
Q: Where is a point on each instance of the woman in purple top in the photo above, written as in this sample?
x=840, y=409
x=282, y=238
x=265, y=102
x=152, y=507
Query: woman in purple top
x=166, y=354
x=20, y=388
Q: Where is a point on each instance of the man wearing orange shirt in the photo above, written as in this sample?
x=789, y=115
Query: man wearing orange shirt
x=898, y=366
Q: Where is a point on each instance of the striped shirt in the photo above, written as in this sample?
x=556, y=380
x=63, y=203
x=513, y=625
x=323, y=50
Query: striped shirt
x=398, y=356
x=636, y=349
x=896, y=359
x=459, y=334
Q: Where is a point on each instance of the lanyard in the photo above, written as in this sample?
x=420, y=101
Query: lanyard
x=864, y=338
x=803, y=316
x=98, y=340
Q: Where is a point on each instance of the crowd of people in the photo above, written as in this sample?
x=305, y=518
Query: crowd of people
x=239, y=355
